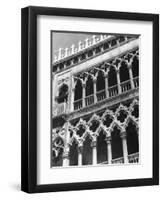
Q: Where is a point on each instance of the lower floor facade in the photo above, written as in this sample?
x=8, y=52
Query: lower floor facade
x=109, y=136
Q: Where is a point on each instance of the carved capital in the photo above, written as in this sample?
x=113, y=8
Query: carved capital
x=84, y=85
x=123, y=134
x=94, y=80
x=106, y=75
x=108, y=139
x=65, y=155
x=80, y=148
x=93, y=143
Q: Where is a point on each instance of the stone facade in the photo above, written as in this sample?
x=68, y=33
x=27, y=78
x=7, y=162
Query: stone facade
x=95, y=102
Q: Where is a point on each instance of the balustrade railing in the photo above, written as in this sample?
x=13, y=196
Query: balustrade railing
x=133, y=158
x=125, y=86
x=136, y=82
x=61, y=108
x=78, y=104
x=113, y=91
x=101, y=95
x=89, y=100
x=118, y=160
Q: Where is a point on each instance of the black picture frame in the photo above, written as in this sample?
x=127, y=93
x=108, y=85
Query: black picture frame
x=29, y=99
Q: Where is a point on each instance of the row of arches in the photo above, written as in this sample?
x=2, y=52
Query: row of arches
x=101, y=146
x=111, y=79
x=110, y=124
x=102, y=151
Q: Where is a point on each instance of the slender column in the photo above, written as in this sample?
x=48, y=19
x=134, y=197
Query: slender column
x=94, y=152
x=106, y=86
x=66, y=134
x=119, y=82
x=84, y=92
x=124, y=146
x=109, y=154
x=80, y=151
x=94, y=90
x=65, y=157
x=131, y=76
x=72, y=99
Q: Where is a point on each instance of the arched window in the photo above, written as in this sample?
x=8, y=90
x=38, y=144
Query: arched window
x=89, y=86
x=132, y=139
x=63, y=93
x=100, y=85
x=87, y=152
x=78, y=90
x=124, y=73
x=112, y=77
x=117, y=150
x=74, y=153
x=101, y=148
x=135, y=67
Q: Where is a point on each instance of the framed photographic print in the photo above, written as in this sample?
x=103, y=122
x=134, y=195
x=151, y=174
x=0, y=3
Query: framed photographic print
x=90, y=99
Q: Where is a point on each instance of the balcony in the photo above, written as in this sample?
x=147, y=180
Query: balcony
x=132, y=158
x=60, y=109
x=101, y=95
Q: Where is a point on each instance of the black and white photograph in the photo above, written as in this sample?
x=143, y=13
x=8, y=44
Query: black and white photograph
x=94, y=99
x=90, y=99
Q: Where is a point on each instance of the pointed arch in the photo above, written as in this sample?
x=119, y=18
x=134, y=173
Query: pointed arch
x=78, y=90
x=132, y=138
x=124, y=72
x=73, y=153
x=101, y=148
x=100, y=84
x=63, y=93
x=135, y=67
x=89, y=85
x=116, y=146
x=87, y=152
x=112, y=76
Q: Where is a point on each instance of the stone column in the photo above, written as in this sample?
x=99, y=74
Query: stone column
x=80, y=151
x=94, y=152
x=72, y=98
x=131, y=76
x=109, y=153
x=124, y=146
x=84, y=94
x=65, y=157
x=119, y=82
x=106, y=86
x=66, y=134
x=94, y=90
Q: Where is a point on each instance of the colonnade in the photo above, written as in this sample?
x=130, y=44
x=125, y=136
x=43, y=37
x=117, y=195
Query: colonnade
x=125, y=159
x=114, y=81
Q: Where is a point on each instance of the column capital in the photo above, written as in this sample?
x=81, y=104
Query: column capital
x=123, y=134
x=108, y=139
x=94, y=80
x=106, y=75
x=129, y=65
x=84, y=85
x=65, y=155
x=93, y=143
x=80, y=148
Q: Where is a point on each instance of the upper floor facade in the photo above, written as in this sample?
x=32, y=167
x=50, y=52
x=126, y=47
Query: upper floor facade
x=98, y=75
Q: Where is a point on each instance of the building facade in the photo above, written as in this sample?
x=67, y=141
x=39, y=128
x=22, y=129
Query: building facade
x=95, y=102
